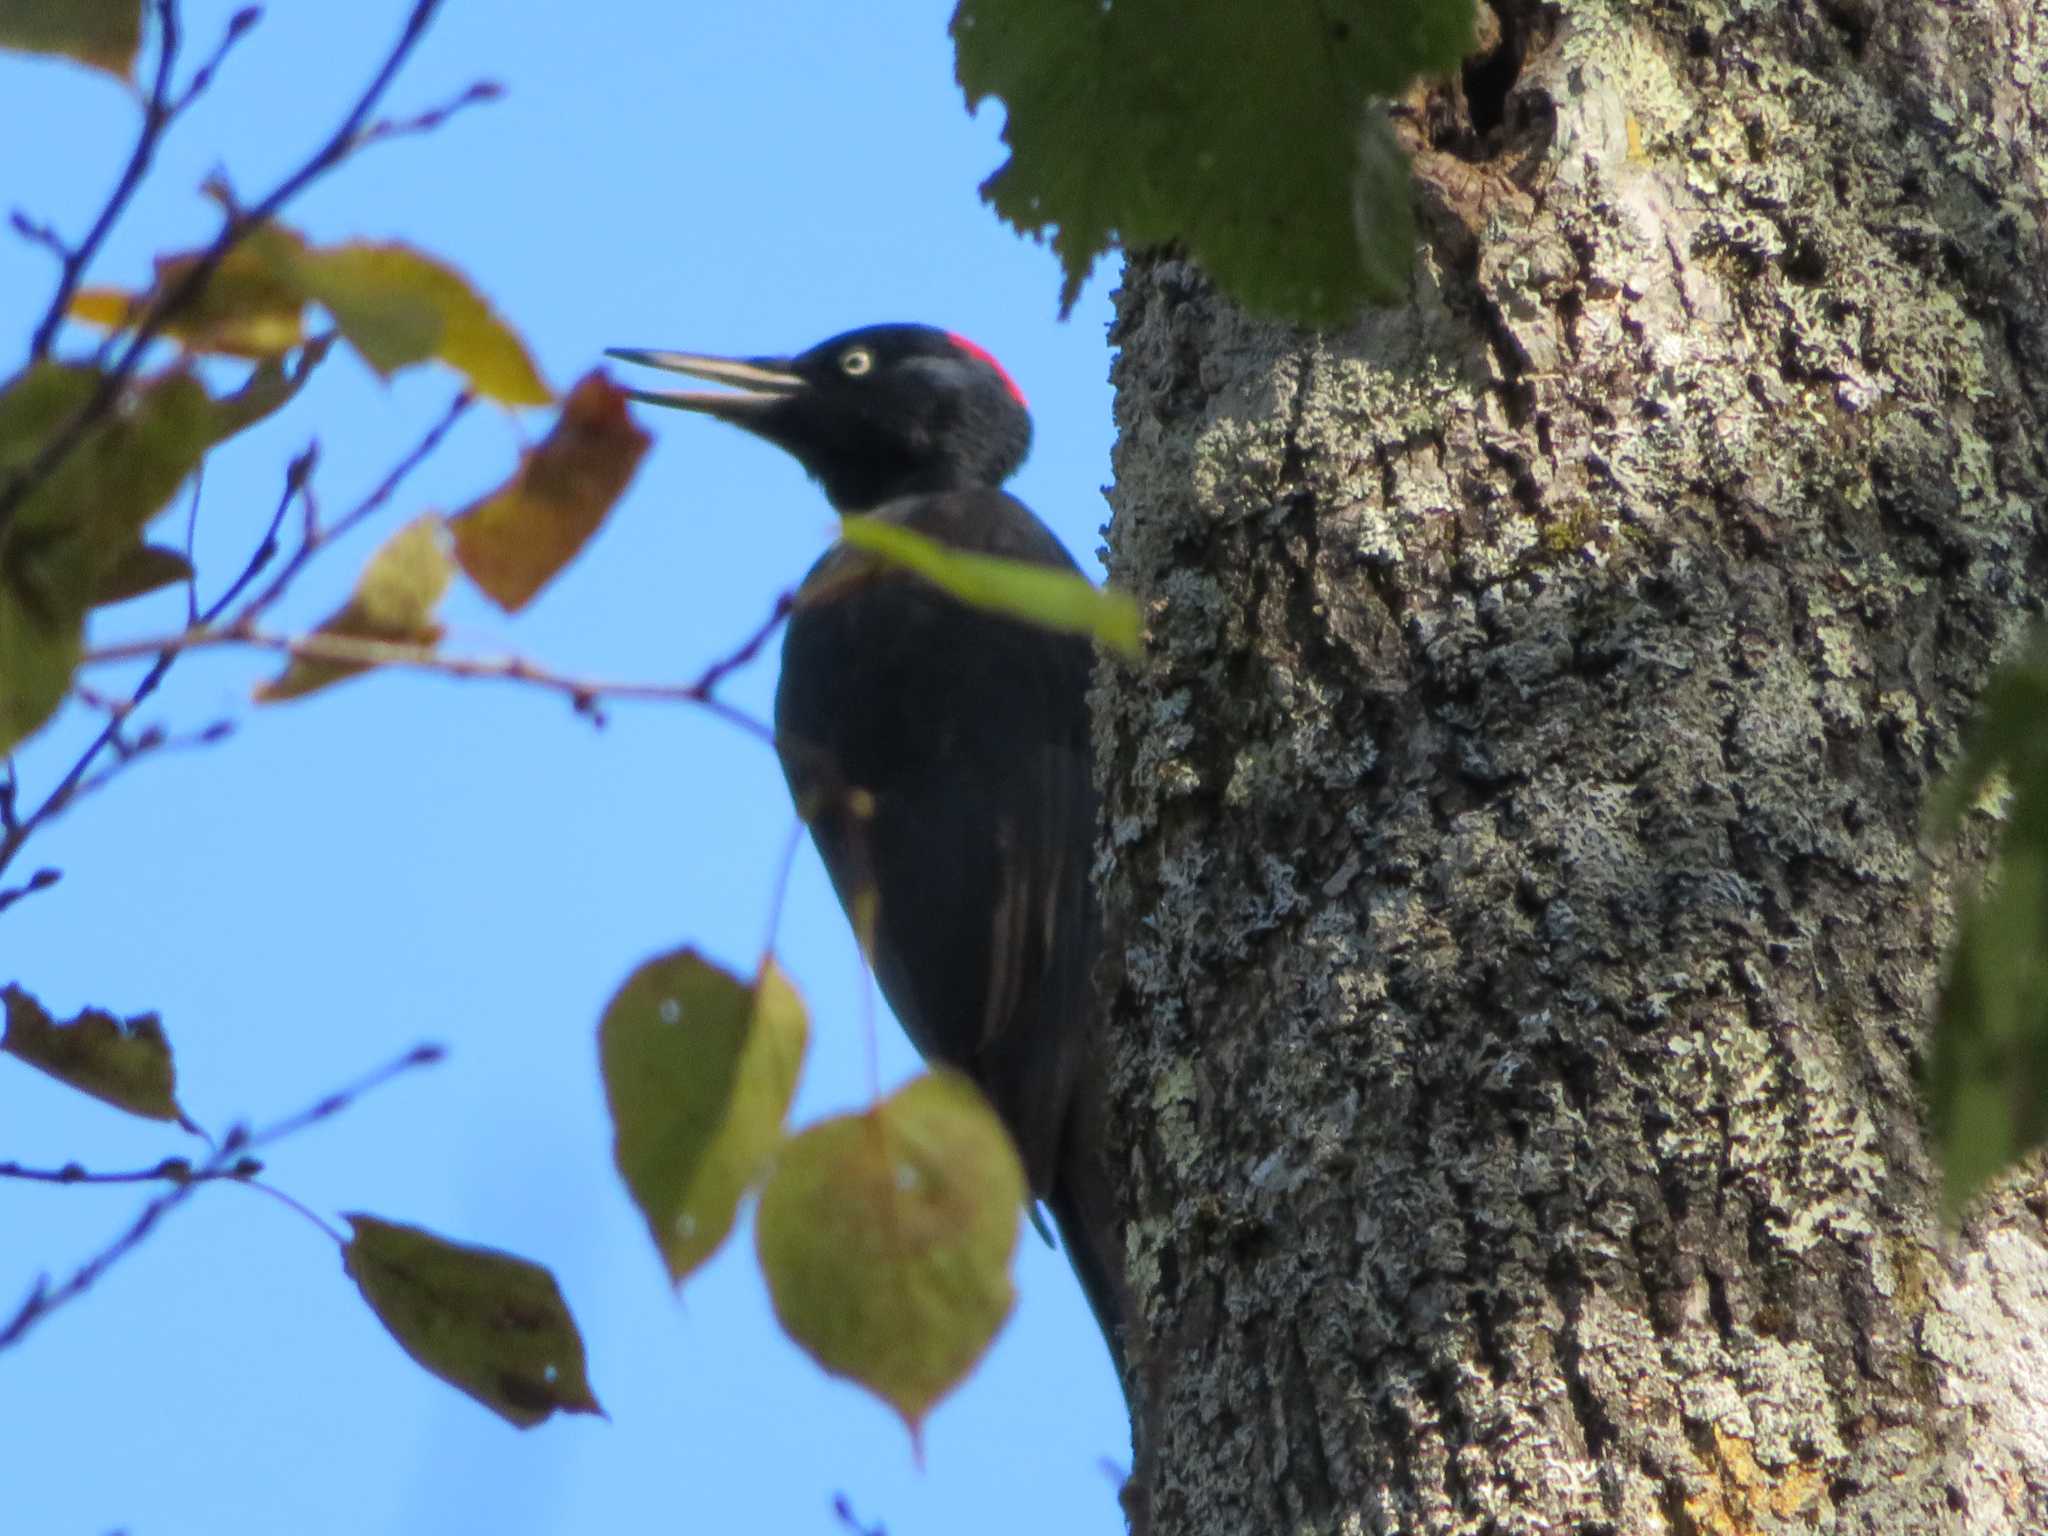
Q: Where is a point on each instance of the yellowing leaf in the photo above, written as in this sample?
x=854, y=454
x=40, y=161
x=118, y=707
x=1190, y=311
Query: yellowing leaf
x=245, y=309
x=699, y=1069
x=1060, y=600
x=125, y=1063
x=488, y=1323
x=886, y=1239
x=103, y=33
x=514, y=541
x=397, y=305
x=394, y=600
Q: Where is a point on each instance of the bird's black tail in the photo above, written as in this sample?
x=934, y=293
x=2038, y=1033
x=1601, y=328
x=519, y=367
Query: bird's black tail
x=1083, y=1207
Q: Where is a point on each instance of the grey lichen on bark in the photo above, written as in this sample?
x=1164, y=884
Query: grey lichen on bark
x=1521, y=943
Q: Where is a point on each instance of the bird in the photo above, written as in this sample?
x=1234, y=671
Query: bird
x=940, y=752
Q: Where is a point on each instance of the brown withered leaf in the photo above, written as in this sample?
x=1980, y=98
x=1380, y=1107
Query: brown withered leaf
x=122, y=1062
x=516, y=540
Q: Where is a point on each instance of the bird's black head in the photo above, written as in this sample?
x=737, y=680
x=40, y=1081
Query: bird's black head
x=886, y=411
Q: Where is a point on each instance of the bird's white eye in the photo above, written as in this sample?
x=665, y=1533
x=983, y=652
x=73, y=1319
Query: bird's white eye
x=855, y=361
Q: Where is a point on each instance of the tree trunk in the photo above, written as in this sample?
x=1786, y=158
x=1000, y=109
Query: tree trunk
x=1520, y=943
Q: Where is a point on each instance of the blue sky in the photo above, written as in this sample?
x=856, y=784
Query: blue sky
x=409, y=859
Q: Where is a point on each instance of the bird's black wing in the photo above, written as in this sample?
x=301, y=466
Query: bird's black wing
x=942, y=755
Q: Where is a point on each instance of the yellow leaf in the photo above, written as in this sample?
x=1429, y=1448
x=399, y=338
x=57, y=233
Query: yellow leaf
x=397, y=305
x=514, y=541
x=699, y=1069
x=394, y=600
x=886, y=1239
x=246, y=308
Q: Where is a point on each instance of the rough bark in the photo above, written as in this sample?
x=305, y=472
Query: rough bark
x=1521, y=941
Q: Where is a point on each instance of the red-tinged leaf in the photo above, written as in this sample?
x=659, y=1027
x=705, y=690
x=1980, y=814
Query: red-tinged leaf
x=122, y=1062
x=105, y=34
x=515, y=540
x=886, y=1239
x=699, y=1069
x=488, y=1323
x=394, y=600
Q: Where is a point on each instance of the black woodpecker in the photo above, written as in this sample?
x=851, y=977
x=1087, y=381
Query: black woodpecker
x=939, y=752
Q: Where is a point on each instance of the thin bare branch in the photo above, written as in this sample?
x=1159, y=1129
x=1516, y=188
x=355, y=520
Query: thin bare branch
x=172, y=1170
x=478, y=94
x=238, y=226
x=80, y=778
x=585, y=693
x=41, y=880
x=237, y=28
x=313, y=537
x=36, y=232
x=157, y=112
x=234, y=1152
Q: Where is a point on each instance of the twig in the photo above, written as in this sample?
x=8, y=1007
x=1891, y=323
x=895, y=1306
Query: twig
x=237, y=27
x=290, y=1204
x=15, y=830
x=154, y=741
x=748, y=649
x=43, y=1298
x=312, y=537
x=842, y=1507
x=192, y=545
x=477, y=94
x=36, y=232
x=426, y=1054
x=150, y=324
x=359, y=651
x=41, y=880
x=157, y=113
x=172, y=1170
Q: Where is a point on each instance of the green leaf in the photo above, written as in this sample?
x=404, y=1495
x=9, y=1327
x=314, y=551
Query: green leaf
x=269, y=388
x=1987, y=1066
x=515, y=540
x=699, y=1070
x=1250, y=134
x=886, y=1239
x=42, y=652
x=105, y=34
x=142, y=569
x=487, y=1323
x=1988, y=1069
x=122, y=1062
x=2007, y=731
x=1061, y=600
x=82, y=519
x=398, y=306
x=394, y=600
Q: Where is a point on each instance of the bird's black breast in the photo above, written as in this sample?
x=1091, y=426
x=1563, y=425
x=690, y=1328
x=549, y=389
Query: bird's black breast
x=941, y=754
